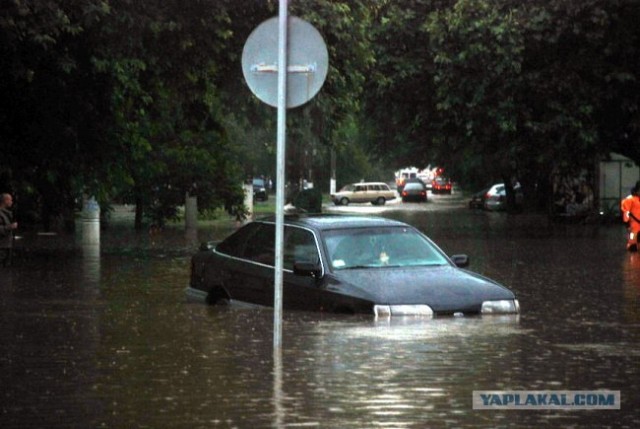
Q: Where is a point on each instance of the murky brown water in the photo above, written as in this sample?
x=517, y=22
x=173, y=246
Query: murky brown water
x=93, y=339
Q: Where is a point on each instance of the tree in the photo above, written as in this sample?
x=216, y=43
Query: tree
x=399, y=96
x=163, y=59
x=314, y=127
x=507, y=89
x=52, y=102
x=478, y=53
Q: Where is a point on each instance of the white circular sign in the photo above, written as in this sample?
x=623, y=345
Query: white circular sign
x=307, y=62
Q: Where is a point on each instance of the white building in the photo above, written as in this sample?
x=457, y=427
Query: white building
x=616, y=177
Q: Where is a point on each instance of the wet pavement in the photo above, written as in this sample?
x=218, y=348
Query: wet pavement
x=102, y=337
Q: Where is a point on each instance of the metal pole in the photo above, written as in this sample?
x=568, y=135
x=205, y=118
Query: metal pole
x=280, y=171
x=332, y=183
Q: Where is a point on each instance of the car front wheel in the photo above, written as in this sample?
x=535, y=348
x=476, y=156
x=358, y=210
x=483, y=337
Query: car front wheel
x=344, y=201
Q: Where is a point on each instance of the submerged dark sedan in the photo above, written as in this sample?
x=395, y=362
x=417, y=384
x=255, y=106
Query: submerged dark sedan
x=414, y=191
x=345, y=264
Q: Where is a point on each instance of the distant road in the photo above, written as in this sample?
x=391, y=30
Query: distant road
x=435, y=203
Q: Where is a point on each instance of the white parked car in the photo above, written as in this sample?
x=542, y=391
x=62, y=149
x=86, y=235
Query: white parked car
x=496, y=197
x=376, y=193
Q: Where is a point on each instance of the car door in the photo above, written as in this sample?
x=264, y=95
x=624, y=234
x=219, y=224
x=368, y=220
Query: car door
x=373, y=191
x=359, y=194
x=248, y=274
x=300, y=292
x=386, y=192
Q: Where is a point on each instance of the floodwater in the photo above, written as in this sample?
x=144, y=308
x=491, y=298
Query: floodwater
x=102, y=337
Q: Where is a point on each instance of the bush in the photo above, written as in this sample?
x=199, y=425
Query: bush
x=309, y=200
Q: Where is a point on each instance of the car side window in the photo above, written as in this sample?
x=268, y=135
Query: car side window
x=235, y=244
x=299, y=246
x=261, y=246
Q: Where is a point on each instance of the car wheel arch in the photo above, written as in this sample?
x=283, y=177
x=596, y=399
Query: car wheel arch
x=343, y=309
x=380, y=201
x=216, y=294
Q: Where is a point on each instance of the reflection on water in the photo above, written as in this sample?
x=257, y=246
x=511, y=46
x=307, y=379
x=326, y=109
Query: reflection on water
x=105, y=338
x=91, y=264
x=278, y=394
x=631, y=270
x=393, y=374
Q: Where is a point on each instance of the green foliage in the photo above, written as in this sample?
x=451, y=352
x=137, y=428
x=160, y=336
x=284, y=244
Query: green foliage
x=493, y=89
x=477, y=53
x=53, y=106
x=309, y=200
x=167, y=106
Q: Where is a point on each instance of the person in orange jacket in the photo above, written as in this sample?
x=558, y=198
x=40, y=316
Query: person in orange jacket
x=625, y=206
x=630, y=207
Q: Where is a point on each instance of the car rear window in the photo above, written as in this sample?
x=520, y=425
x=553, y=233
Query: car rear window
x=235, y=244
x=414, y=185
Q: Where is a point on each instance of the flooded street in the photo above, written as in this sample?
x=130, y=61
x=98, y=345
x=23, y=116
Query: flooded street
x=104, y=338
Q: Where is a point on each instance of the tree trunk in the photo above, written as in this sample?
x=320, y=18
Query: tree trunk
x=139, y=212
x=510, y=194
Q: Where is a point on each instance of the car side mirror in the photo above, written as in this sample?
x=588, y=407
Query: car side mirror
x=207, y=245
x=306, y=269
x=461, y=261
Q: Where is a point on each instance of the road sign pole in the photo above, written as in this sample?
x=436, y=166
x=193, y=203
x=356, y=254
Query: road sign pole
x=280, y=171
x=265, y=65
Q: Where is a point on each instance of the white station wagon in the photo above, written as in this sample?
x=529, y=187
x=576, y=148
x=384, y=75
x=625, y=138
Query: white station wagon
x=376, y=193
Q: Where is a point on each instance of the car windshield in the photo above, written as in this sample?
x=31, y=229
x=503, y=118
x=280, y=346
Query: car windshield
x=381, y=247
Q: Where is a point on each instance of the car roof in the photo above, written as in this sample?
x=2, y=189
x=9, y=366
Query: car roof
x=334, y=221
x=369, y=183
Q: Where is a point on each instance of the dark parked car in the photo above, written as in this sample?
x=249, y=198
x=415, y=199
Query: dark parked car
x=345, y=264
x=260, y=192
x=414, y=191
x=441, y=185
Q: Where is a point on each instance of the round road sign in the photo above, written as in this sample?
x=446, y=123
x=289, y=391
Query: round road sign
x=307, y=63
